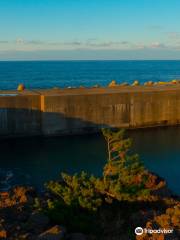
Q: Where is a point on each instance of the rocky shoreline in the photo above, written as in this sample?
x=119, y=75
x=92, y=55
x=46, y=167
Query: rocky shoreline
x=21, y=219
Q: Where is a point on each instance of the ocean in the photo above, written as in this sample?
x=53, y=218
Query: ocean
x=49, y=74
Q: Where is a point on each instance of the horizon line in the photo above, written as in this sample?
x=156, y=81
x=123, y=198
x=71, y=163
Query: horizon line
x=80, y=60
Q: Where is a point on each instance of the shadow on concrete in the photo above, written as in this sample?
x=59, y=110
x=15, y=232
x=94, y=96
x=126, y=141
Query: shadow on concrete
x=15, y=122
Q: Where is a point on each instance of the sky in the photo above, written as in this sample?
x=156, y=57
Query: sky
x=89, y=29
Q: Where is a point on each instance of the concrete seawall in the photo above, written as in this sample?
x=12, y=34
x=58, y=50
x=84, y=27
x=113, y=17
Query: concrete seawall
x=74, y=111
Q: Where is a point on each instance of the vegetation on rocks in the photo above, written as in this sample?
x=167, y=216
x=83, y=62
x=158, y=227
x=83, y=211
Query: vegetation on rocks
x=109, y=207
x=124, y=178
x=84, y=198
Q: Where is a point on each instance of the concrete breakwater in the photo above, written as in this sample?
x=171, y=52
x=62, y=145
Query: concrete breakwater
x=83, y=110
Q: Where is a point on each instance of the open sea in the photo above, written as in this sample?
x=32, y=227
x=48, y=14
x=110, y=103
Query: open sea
x=48, y=74
x=33, y=161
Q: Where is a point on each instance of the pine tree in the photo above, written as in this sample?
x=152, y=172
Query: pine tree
x=124, y=175
x=123, y=178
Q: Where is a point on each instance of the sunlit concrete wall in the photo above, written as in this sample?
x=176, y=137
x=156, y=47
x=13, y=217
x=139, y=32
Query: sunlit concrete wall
x=84, y=113
x=87, y=111
x=157, y=108
x=20, y=115
x=58, y=112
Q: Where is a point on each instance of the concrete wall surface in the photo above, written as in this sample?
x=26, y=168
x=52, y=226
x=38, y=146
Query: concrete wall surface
x=74, y=111
x=20, y=114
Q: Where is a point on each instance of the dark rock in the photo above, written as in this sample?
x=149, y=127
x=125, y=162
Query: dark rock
x=77, y=236
x=37, y=221
x=163, y=192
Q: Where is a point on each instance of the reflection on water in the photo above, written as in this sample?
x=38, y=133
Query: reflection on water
x=36, y=160
x=160, y=150
x=42, y=159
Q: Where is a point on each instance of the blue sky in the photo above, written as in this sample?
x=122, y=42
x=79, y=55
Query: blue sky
x=89, y=29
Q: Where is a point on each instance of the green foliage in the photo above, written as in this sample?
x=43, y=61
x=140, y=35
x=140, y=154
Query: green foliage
x=124, y=174
x=77, y=190
x=79, y=197
x=75, y=202
x=73, y=217
x=37, y=204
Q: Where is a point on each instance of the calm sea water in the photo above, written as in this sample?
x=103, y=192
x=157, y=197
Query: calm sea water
x=47, y=74
x=34, y=161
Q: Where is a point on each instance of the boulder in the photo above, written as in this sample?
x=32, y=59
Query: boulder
x=136, y=83
x=149, y=83
x=162, y=83
x=175, y=81
x=55, y=233
x=112, y=84
x=21, y=87
x=3, y=233
x=37, y=220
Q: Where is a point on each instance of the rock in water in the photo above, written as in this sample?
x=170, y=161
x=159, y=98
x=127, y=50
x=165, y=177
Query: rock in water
x=21, y=87
x=136, y=83
x=112, y=84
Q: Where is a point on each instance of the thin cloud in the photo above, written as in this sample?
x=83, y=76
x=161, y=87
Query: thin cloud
x=139, y=46
x=73, y=43
x=91, y=44
x=174, y=35
x=35, y=42
x=157, y=45
x=21, y=44
x=154, y=45
x=107, y=44
x=124, y=42
x=4, y=41
x=20, y=41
